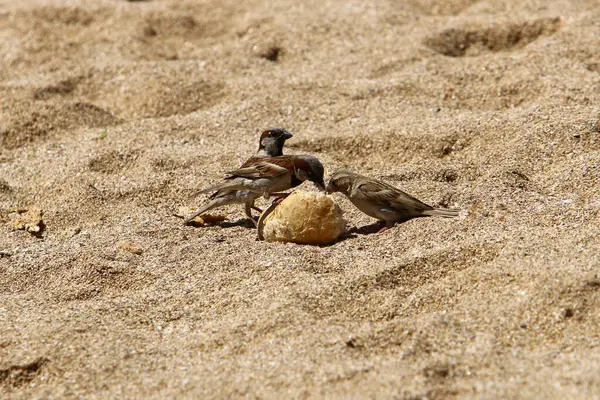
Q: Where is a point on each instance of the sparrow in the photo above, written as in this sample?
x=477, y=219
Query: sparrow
x=270, y=144
x=269, y=176
x=382, y=201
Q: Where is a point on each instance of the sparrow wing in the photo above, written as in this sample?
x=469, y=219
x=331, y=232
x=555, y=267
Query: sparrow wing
x=389, y=196
x=256, y=168
x=226, y=185
x=253, y=160
x=223, y=189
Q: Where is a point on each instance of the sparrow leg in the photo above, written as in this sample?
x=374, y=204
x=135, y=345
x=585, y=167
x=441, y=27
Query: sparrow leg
x=278, y=200
x=385, y=226
x=282, y=195
x=254, y=207
x=248, y=208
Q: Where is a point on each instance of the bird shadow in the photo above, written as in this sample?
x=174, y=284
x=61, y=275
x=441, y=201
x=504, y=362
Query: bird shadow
x=365, y=229
x=370, y=229
x=355, y=232
x=242, y=223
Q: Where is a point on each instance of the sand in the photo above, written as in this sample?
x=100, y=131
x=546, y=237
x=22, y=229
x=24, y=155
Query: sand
x=114, y=112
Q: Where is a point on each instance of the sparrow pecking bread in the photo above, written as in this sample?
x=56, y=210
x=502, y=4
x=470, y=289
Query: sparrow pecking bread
x=270, y=145
x=269, y=176
x=382, y=201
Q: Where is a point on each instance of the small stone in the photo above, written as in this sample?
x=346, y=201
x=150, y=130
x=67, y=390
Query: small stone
x=569, y=312
x=130, y=247
x=270, y=53
x=592, y=283
x=29, y=220
x=71, y=232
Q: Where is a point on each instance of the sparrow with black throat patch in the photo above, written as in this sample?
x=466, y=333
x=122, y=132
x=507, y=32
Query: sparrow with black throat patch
x=270, y=145
x=270, y=177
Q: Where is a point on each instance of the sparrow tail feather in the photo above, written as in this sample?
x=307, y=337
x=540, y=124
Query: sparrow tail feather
x=201, y=211
x=439, y=212
x=224, y=186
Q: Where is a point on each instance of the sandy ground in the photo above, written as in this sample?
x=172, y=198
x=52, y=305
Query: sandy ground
x=113, y=113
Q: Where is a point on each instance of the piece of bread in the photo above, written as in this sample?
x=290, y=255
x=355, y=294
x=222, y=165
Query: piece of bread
x=304, y=218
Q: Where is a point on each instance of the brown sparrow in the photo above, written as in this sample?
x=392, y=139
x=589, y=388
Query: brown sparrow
x=382, y=201
x=271, y=142
x=269, y=176
x=270, y=145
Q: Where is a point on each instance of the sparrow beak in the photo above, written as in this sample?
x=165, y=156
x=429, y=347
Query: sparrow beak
x=286, y=135
x=321, y=185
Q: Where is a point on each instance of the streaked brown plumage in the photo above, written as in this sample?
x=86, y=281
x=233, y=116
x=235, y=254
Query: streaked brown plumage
x=269, y=176
x=270, y=145
x=382, y=201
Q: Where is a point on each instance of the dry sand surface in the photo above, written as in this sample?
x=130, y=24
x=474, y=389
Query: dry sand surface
x=114, y=112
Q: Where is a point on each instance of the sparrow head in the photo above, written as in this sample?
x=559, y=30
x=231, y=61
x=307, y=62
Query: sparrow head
x=309, y=168
x=341, y=182
x=271, y=142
